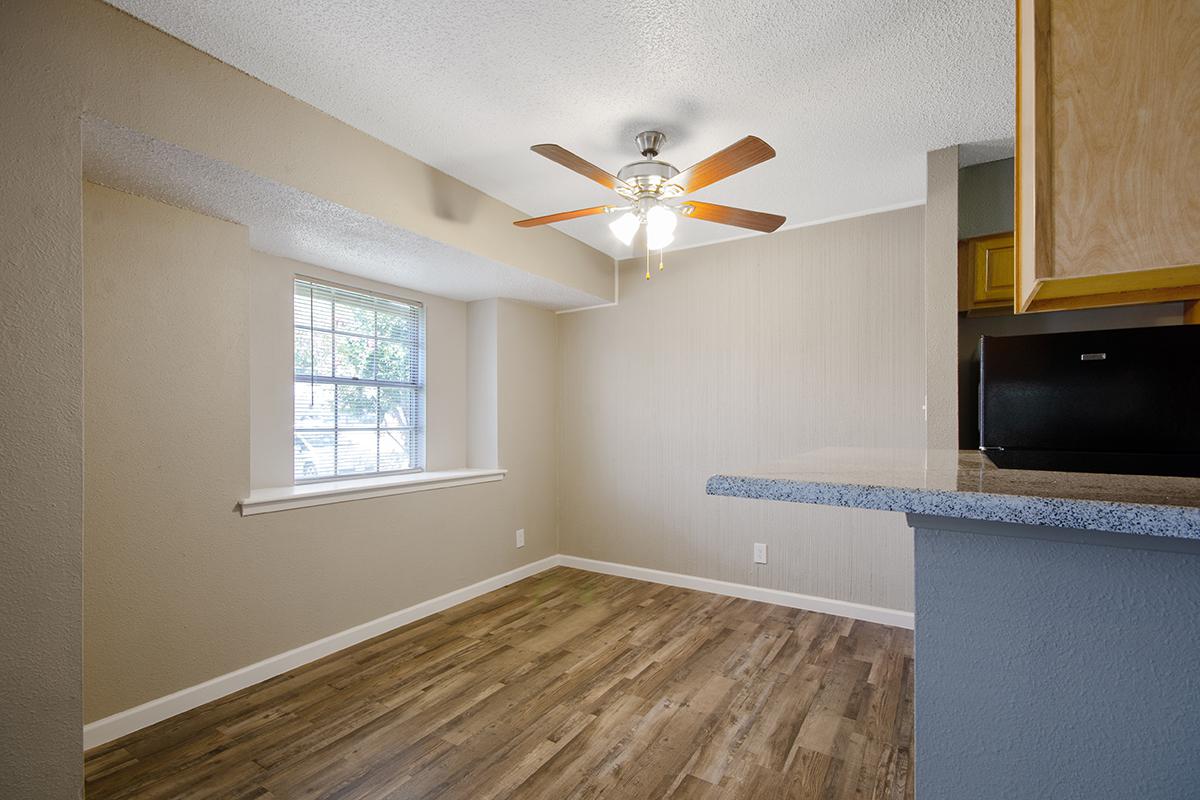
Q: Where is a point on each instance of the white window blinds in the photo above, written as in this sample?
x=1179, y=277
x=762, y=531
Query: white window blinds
x=359, y=383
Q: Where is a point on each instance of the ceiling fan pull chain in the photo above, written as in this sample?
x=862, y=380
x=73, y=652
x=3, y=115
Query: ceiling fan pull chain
x=647, y=262
x=660, y=260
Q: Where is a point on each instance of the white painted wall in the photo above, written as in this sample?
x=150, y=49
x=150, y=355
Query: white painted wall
x=736, y=355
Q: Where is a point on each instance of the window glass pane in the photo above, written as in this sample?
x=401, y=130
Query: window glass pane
x=344, y=423
x=300, y=294
x=398, y=408
x=354, y=357
x=314, y=405
x=322, y=307
x=308, y=361
x=312, y=305
x=356, y=452
x=397, y=324
x=303, y=359
x=358, y=406
x=322, y=356
x=313, y=455
x=396, y=361
x=397, y=450
x=353, y=315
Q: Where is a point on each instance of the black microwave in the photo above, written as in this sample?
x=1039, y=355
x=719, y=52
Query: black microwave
x=1117, y=401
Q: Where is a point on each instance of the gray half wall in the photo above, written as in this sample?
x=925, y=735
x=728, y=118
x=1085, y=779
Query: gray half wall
x=1055, y=668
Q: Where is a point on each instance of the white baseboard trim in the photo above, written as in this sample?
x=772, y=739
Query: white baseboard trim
x=132, y=719
x=125, y=722
x=808, y=602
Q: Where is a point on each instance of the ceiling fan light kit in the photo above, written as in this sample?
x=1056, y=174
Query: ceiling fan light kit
x=653, y=190
x=660, y=227
x=625, y=227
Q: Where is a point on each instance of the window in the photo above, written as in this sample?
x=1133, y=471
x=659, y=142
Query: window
x=359, y=383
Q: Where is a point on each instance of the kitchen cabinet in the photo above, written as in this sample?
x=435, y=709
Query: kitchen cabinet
x=1108, y=153
x=986, y=273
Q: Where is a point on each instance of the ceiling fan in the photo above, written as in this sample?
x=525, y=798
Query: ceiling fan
x=654, y=190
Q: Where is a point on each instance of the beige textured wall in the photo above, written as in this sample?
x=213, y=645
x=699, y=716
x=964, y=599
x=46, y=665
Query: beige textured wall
x=483, y=403
x=143, y=79
x=179, y=588
x=41, y=437
x=941, y=298
x=527, y=386
x=132, y=75
x=736, y=355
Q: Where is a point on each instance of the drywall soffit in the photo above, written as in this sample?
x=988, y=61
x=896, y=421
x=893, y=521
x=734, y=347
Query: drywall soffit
x=286, y=221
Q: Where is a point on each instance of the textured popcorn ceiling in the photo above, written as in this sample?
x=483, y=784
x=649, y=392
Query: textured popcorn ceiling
x=287, y=222
x=851, y=93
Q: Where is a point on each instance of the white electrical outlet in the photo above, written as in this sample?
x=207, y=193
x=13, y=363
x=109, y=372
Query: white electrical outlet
x=521, y=537
x=760, y=553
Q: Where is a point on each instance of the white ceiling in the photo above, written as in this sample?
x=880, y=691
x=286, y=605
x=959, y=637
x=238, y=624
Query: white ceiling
x=851, y=93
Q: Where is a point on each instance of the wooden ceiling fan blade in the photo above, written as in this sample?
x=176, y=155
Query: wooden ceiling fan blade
x=728, y=215
x=740, y=155
x=560, y=216
x=563, y=156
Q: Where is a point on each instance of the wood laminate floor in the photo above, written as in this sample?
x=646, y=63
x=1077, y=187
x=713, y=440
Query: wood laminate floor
x=566, y=685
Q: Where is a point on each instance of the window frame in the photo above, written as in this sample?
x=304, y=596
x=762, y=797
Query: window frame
x=332, y=380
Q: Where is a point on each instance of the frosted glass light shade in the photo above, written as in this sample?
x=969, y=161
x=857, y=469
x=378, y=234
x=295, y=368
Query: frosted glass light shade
x=660, y=227
x=624, y=227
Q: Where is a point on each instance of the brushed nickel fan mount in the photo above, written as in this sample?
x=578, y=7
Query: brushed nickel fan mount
x=648, y=177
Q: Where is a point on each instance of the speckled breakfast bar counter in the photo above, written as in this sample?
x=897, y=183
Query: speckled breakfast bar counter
x=1057, y=618
x=965, y=485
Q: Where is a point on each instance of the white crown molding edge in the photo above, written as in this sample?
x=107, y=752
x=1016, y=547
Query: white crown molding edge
x=133, y=719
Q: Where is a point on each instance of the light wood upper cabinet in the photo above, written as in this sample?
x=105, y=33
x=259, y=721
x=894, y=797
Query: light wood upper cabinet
x=986, y=273
x=1108, y=152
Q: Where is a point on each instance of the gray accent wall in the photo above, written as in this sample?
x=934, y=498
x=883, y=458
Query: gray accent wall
x=1054, y=666
x=985, y=198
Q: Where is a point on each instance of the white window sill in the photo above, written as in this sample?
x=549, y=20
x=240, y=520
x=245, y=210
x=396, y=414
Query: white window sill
x=263, y=501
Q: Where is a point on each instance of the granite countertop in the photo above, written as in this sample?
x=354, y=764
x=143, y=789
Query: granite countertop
x=966, y=485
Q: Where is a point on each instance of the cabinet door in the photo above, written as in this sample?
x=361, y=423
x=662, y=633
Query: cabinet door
x=1108, y=152
x=992, y=265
